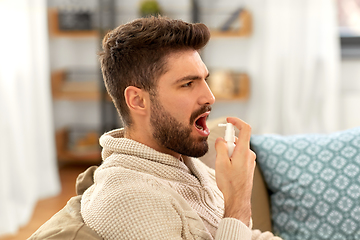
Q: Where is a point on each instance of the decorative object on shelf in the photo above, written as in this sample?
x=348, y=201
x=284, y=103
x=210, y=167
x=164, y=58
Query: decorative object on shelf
x=64, y=23
x=229, y=85
x=244, y=25
x=81, y=145
x=235, y=15
x=75, y=20
x=150, y=8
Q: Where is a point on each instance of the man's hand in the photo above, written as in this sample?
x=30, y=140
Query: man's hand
x=234, y=174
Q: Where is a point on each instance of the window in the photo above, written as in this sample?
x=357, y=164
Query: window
x=349, y=27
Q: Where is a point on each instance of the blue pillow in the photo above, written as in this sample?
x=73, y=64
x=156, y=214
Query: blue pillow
x=314, y=183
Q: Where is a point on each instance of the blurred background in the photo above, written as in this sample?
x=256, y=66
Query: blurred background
x=285, y=67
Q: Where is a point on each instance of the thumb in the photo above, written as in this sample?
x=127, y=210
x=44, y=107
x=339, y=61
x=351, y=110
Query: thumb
x=221, y=148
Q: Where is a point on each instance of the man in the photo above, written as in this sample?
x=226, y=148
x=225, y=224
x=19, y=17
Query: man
x=150, y=184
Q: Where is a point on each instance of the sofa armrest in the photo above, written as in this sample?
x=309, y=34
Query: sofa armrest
x=260, y=203
x=66, y=224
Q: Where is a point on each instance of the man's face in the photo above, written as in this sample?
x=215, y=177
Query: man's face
x=182, y=103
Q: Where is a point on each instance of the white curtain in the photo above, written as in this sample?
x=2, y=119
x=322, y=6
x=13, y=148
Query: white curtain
x=28, y=168
x=294, y=66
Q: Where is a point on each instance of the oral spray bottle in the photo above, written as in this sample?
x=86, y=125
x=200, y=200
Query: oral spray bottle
x=229, y=136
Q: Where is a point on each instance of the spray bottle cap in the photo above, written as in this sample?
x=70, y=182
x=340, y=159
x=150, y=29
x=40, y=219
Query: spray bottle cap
x=229, y=132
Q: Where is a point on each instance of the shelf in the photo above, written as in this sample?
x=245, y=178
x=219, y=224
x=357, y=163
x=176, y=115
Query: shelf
x=86, y=150
x=74, y=90
x=55, y=31
x=244, y=30
x=230, y=86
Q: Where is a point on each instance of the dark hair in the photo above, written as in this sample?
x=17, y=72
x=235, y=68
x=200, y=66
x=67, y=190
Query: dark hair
x=134, y=54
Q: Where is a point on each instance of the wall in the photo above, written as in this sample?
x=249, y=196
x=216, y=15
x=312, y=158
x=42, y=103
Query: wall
x=223, y=53
x=350, y=74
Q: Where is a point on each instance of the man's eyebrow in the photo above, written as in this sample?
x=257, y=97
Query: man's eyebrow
x=191, y=77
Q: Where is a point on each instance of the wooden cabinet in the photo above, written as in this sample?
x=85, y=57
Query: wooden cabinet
x=78, y=145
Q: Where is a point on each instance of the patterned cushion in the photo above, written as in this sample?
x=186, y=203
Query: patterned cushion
x=314, y=182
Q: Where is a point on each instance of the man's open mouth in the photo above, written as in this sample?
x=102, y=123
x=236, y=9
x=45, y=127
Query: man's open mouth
x=200, y=124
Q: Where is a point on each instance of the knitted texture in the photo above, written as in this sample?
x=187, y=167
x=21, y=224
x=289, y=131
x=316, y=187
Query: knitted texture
x=140, y=193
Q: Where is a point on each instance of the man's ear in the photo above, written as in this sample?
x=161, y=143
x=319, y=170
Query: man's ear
x=136, y=99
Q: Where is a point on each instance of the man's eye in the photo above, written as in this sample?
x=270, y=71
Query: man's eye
x=188, y=84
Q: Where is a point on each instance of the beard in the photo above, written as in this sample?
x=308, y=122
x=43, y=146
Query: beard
x=174, y=135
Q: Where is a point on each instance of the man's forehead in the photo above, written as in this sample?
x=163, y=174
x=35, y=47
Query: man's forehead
x=189, y=60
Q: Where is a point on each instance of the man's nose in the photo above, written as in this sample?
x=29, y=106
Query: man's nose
x=207, y=97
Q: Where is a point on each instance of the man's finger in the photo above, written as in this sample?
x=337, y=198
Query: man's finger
x=221, y=149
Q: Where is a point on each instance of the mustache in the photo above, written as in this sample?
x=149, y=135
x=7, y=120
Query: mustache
x=197, y=113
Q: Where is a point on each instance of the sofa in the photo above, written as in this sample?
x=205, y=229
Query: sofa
x=306, y=186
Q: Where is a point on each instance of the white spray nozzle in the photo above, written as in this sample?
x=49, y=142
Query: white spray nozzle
x=229, y=136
